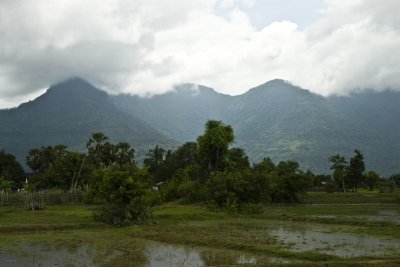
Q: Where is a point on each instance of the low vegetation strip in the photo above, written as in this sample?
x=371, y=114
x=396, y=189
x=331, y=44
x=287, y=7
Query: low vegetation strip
x=41, y=198
x=362, y=197
x=43, y=228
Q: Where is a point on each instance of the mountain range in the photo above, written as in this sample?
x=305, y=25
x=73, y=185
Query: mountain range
x=276, y=120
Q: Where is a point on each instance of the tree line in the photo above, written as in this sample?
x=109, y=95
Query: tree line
x=207, y=170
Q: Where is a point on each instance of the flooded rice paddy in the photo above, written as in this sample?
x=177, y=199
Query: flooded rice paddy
x=42, y=255
x=297, y=235
x=154, y=254
x=381, y=216
x=323, y=240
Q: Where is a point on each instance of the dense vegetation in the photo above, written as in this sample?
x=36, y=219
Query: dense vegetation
x=68, y=113
x=208, y=171
x=11, y=172
x=275, y=119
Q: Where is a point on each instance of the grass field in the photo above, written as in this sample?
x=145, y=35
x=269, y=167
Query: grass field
x=329, y=230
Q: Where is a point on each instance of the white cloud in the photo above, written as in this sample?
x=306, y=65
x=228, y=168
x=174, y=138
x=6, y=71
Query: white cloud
x=235, y=3
x=147, y=46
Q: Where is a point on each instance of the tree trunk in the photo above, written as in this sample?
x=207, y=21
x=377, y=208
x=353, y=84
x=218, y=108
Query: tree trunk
x=79, y=172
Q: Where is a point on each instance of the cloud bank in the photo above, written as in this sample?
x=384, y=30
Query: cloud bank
x=148, y=46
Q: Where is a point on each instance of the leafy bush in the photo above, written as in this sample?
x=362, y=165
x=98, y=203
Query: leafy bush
x=237, y=191
x=153, y=198
x=170, y=189
x=288, y=183
x=183, y=186
x=122, y=193
x=252, y=208
x=122, y=215
x=191, y=191
x=330, y=188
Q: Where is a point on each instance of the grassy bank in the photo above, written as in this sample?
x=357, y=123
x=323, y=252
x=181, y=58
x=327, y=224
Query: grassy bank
x=281, y=235
x=363, y=196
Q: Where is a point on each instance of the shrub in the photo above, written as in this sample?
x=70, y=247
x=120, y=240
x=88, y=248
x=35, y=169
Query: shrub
x=238, y=191
x=153, y=198
x=252, y=208
x=122, y=215
x=183, y=186
x=191, y=191
x=123, y=196
x=330, y=188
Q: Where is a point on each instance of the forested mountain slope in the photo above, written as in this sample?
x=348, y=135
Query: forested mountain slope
x=68, y=113
x=275, y=119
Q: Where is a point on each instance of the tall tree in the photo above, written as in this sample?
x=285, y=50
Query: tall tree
x=96, y=141
x=338, y=166
x=395, y=178
x=290, y=183
x=265, y=166
x=371, y=179
x=155, y=157
x=155, y=161
x=124, y=154
x=356, y=169
x=56, y=167
x=214, y=144
x=100, y=151
x=183, y=156
x=40, y=159
x=11, y=172
x=237, y=159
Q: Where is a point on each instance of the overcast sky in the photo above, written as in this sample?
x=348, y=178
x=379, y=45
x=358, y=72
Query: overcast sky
x=147, y=46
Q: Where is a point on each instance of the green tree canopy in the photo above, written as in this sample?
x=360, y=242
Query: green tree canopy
x=214, y=144
x=237, y=159
x=121, y=191
x=371, y=179
x=11, y=171
x=339, y=167
x=103, y=153
x=40, y=159
x=356, y=169
x=155, y=157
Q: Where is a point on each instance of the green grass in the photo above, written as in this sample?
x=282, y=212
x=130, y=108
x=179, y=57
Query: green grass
x=71, y=226
x=361, y=197
x=63, y=217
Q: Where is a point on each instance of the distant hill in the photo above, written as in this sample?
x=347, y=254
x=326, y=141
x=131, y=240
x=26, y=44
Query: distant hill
x=68, y=113
x=181, y=113
x=287, y=122
x=275, y=119
x=377, y=116
x=282, y=121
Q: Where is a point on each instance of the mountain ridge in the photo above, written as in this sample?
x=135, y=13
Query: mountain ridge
x=275, y=119
x=70, y=117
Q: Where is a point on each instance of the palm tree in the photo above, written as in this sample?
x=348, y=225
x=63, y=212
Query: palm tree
x=124, y=153
x=98, y=139
x=155, y=157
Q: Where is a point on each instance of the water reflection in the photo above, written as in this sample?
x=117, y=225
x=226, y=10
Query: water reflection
x=142, y=253
x=160, y=255
x=382, y=216
x=163, y=255
x=41, y=255
x=150, y=254
x=321, y=240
